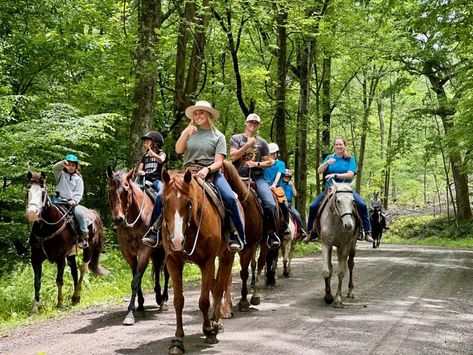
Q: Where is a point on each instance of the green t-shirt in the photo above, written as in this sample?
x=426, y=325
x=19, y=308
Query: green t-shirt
x=202, y=147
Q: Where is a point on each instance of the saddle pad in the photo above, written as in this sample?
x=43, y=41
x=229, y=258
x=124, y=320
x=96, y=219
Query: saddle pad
x=213, y=194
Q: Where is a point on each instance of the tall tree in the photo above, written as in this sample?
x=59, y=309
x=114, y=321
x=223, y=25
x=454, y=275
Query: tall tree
x=149, y=20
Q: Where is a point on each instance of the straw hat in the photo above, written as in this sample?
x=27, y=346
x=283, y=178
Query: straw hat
x=204, y=106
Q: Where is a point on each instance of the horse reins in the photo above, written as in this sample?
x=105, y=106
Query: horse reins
x=128, y=203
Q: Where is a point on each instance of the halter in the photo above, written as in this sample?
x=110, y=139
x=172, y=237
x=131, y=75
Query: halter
x=129, y=201
x=336, y=209
x=189, y=219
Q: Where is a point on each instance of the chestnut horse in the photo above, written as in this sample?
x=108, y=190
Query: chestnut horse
x=193, y=232
x=254, y=231
x=339, y=227
x=54, y=238
x=131, y=212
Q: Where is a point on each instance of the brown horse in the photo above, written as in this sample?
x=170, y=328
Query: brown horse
x=53, y=238
x=254, y=230
x=131, y=212
x=192, y=232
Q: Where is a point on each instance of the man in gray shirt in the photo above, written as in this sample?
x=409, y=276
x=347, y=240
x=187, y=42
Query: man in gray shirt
x=250, y=155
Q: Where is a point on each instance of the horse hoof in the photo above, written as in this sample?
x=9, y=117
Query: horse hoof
x=286, y=273
x=243, y=306
x=338, y=305
x=328, y=299
x=255, y=301
x=211, y=339
x=177, y=347
x=129, y=319
x=75, y=300
x=59, y=305
x=34, y=310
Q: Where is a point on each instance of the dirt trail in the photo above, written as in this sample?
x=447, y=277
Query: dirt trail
x=409, y=300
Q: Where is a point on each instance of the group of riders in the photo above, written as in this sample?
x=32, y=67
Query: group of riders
x=204, y=149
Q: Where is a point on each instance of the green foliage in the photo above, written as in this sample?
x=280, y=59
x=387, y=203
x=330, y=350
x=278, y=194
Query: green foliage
x=430, y=230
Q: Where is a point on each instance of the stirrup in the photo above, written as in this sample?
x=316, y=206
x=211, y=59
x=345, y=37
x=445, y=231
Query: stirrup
x=235, y=244
x=274, y=243
x=149, y=240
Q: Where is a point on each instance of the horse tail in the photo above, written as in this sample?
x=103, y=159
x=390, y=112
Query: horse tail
x=97, y=246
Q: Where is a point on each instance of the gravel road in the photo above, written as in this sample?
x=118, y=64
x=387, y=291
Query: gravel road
x=409, y=300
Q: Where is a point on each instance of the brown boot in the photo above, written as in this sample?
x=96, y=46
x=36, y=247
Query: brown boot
x=312, y=236
x=368, y=237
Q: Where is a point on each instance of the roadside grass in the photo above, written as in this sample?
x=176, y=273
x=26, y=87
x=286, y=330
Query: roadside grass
x=429, y=231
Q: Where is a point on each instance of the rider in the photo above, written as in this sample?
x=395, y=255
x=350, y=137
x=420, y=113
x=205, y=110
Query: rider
x=205, y=147
x=274, y=174
x=290, y=191
x=149, y=169
x=339, y=167
x=70, y=189
x=250, y=156
x=375, y=202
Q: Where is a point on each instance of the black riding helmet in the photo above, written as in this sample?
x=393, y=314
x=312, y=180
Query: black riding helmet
x=155, y=137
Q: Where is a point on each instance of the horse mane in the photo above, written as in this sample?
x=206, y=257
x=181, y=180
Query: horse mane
x=233, y=178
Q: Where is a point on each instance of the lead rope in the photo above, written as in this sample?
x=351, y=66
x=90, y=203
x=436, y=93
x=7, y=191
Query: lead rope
x=200, y=223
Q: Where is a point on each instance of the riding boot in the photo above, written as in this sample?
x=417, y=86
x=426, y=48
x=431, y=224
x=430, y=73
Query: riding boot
x=301, y=233
x=84, y=242
x=273, y=240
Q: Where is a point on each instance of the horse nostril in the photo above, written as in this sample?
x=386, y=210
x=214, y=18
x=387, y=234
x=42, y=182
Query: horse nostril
x=118, y=220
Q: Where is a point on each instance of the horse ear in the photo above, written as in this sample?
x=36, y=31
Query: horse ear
x=110, y=171
x=166, y=177
x=130, y=174
x=29, y=175
x=43, y=175
x=187, y=176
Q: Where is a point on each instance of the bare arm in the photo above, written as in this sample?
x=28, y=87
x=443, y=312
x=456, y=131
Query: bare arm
x=181, y=144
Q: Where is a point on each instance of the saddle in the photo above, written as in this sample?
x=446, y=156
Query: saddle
x=150, y=191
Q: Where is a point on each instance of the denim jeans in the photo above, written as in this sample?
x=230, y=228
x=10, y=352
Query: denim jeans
x=266, y=196
x=360, y=204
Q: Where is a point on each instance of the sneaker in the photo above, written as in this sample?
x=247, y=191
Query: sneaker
x=150, y=239
x=368, y=237
x=311, y=236
x=273, y=241
x=84, y=241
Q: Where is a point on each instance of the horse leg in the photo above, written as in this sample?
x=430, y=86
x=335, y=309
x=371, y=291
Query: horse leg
x=256, y=298
x=222, y=284
x=61, y=264
x=327, y=272
x=158, y=263
x=245, y=258
x=207, y=285
x=227, y=304
x=130, y=318
x=351, y=264
x=342, y=269
x=71, y=261
x=37, y=269
x=271, y=263
x=175, y=271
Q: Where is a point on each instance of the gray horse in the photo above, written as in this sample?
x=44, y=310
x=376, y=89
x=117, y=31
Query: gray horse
x=339, y=225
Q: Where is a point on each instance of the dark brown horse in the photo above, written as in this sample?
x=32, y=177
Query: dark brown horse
x=192, y=232
x=131, y=212
x=54, y=238
x=254, y=230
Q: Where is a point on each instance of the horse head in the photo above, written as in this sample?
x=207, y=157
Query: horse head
x=343, y=204
x=37, y=195
x=120, y=193
x=177, y=210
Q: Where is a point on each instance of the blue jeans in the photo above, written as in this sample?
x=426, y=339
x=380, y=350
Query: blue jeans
x=360, y=204
x=158, y=204
x=296, y=214
x=230, y=202
x=79, y=214
x=267, y=199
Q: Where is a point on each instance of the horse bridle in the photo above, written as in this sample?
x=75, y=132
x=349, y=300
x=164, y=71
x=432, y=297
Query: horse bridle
x=189, y=219
x=334, y=194
x=129, y=201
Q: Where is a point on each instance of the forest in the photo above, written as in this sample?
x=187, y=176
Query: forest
x=395, y=78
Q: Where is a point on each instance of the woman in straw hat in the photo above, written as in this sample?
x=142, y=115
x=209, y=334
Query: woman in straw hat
x=205, y=147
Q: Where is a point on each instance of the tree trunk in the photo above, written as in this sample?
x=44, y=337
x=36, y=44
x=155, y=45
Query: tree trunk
x=280, y=115
x=150, y=17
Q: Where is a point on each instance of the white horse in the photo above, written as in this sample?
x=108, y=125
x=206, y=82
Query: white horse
x=339, y=226
x=288, y=244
